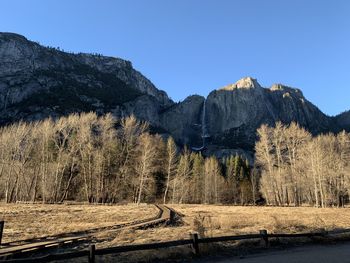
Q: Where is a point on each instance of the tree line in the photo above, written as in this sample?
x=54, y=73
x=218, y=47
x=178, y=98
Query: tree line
x=99, y=159
x=297, y=168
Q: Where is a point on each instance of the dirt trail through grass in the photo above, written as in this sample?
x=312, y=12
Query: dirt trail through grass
x=24, y=221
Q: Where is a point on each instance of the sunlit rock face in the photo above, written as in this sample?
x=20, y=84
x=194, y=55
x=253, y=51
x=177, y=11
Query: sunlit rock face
x=236, y=105
x=237, y=110
x=244, y=83
x=37, y=82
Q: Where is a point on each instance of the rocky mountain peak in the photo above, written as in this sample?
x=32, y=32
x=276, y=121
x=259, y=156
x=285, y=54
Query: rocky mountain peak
x=38, y=81
x=279, y=86
x=287, y=91
x=244, y=83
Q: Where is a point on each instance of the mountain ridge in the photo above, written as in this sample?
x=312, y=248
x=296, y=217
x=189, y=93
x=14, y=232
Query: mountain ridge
x=37, y=82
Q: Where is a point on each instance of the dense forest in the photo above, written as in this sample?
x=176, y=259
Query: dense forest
x=99, y=159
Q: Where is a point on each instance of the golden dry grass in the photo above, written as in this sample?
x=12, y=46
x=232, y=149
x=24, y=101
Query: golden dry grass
x=230, y=220
x=227, y=220
x=26, y=221
x=23, y=221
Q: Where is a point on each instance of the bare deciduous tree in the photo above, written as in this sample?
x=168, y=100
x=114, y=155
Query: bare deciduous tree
x=171, y=162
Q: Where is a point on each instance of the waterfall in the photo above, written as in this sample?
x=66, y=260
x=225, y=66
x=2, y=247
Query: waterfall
x=204, y=125
x=204, y=132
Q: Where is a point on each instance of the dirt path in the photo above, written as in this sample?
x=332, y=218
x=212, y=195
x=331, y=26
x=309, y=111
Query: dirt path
x=306, y=254
x=39, y=244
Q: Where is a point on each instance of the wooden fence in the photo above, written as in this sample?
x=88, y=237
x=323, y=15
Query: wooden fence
x=1, y=229
x=194, y=241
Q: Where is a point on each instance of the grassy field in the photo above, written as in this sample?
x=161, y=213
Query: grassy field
x=27, y=221
x=24, y=221
x=212, y=220
x=226, y=220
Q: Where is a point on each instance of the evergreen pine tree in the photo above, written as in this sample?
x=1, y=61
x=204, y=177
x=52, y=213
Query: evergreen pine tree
x=197, y=178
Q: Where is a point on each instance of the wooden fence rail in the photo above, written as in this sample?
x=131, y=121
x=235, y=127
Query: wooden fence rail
x=194, y=241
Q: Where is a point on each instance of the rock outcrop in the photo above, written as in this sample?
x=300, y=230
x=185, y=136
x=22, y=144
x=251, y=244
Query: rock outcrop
x=343, y=120
x=36, y=82
x=236, y=111
x=183, y=120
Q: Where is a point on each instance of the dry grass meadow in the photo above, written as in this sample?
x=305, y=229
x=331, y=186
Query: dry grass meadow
x=215, y=220
x=27, y=221
x=230, y=220
x=24, y=221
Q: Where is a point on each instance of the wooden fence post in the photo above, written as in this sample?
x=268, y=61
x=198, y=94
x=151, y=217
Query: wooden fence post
x=92, y=249
x=265, y=237
x=1, y=229
x=195, y=245
x=172, y=217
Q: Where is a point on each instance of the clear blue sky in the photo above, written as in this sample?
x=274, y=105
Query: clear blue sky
x=194, y=46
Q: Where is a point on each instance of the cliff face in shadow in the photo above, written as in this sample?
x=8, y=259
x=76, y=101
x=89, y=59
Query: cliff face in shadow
x=37, y=82
x=343, y=120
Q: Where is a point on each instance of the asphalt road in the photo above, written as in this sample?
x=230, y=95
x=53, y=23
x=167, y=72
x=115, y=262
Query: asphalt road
x=306, y=254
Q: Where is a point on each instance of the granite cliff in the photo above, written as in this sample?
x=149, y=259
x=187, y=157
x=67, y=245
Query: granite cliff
x=37, y=82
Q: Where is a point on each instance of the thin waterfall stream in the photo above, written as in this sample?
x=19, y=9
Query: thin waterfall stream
x=204, y=131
